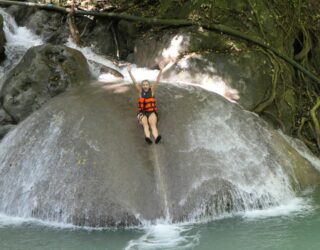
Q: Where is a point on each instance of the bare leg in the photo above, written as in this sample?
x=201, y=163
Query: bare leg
x=144, y=123
x=153, y=124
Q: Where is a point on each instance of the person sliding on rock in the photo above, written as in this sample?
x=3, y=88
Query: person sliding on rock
x=147, y=115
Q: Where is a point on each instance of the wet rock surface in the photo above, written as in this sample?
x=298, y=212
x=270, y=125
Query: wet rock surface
x=50, y=26
x=21, y=13
x=86, y=162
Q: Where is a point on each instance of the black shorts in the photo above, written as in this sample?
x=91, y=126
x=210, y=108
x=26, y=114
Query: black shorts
x=147, y=114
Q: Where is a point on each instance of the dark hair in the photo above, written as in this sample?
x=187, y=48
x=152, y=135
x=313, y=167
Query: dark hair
x=145, y=81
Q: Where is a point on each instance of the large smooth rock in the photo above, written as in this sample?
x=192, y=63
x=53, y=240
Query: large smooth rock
x=82, y=159
x=44, y=72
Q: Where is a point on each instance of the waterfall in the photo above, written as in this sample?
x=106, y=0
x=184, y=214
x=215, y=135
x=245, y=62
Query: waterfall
x=68, y=165
x=139, y=73
x=19, y=40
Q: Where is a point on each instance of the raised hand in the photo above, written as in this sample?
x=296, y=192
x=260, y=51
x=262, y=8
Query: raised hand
x=162, y=64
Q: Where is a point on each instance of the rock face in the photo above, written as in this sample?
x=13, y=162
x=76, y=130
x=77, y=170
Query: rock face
x=44, y=72
x=49, y=25
x=2, y=40
x=82, y=159
x=21, y=13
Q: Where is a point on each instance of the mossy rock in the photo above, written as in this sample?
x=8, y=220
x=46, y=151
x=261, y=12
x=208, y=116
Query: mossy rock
x=44, y=72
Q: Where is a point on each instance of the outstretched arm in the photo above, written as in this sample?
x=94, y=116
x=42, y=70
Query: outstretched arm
x=154, y=86
x=134, y=80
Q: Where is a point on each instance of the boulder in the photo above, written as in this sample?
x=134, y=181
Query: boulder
x=21, y=14
x=82, y=159
x=50, y=26
x=44, y=72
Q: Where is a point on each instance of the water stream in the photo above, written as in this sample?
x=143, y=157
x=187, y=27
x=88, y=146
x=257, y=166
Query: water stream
x=19, y=40
x=161, y=182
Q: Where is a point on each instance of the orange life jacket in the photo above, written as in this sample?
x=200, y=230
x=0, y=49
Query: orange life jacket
x=147, y=104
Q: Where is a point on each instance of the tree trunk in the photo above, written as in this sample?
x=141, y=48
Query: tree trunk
x=74, y=32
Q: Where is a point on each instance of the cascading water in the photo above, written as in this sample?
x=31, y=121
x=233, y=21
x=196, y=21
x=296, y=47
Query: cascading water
x=19, y=40
x=211, y=163
x=215, y=160
x=139, y=73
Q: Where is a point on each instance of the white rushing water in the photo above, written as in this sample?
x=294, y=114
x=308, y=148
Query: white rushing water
x=162, y=235
x=139, y=73
x=165, y=236
x=211, y=83
x=19, y=40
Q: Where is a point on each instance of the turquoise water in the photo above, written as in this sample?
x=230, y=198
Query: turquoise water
x=295, y=226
